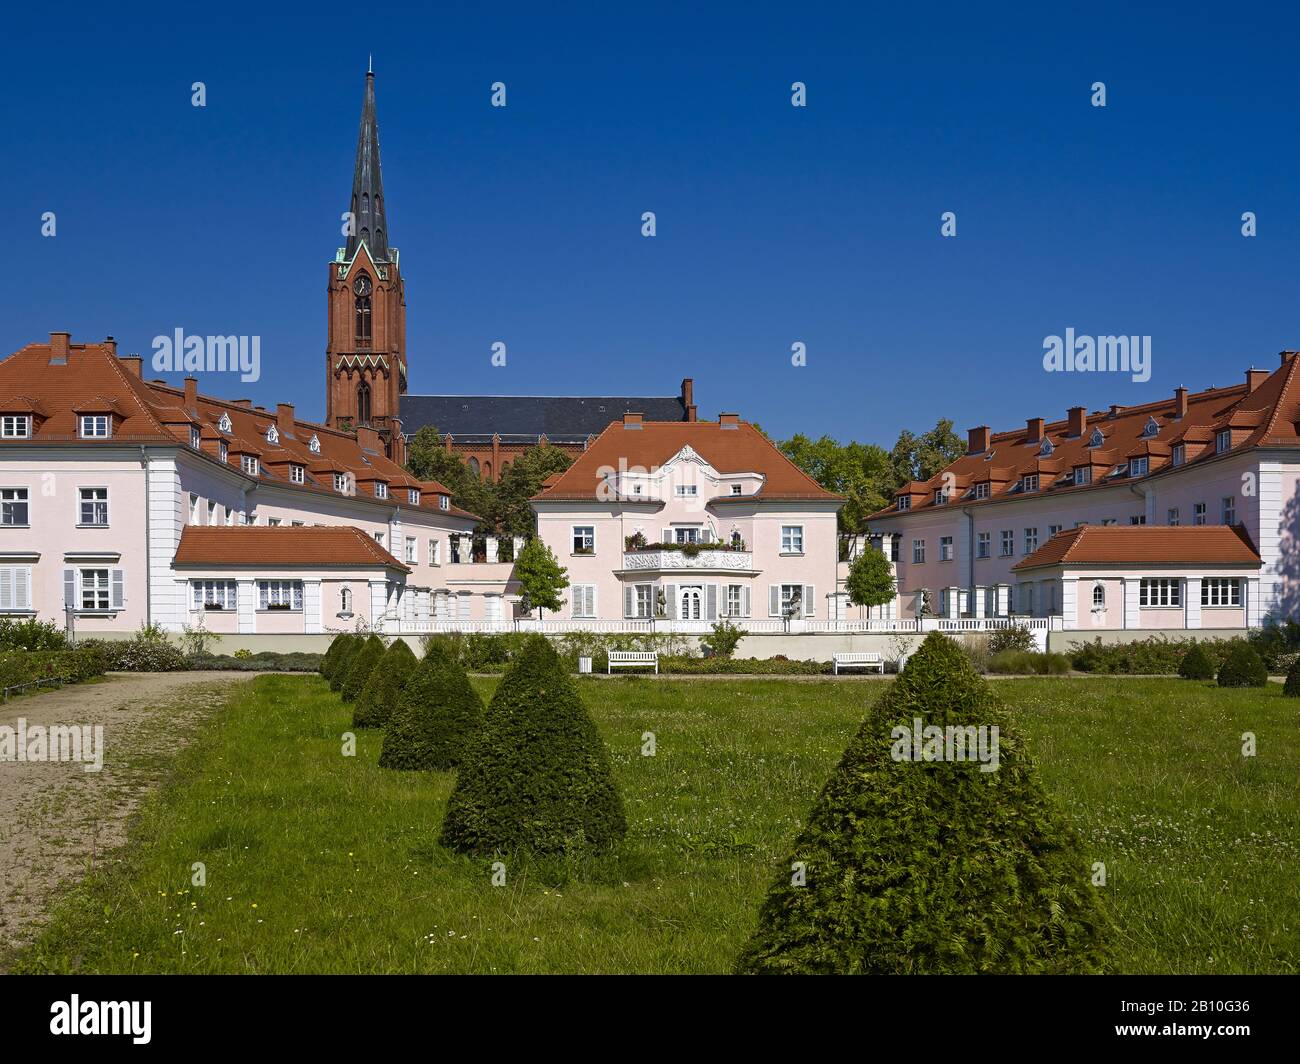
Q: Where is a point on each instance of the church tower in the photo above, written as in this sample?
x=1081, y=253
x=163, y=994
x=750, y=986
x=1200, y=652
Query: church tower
x=365, y=351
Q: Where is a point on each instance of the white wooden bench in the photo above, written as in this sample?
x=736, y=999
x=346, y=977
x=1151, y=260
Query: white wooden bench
x=632, y=659
x=870, y=662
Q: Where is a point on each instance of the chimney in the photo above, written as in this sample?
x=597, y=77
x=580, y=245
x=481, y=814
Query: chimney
x=59, y=348
x=978, y=440
x=1254, y=378
x=1115, y=410
x=1287, y=356
x=1078, y=416
x=247, y=404
x=1180, y=403
x=191, y=391
x=728, y=421
x=111, y=344
x=1035, y=427
x=369, y=438
x=631, y=421
x=688, y=398
x=134, y=365
x=284, y=418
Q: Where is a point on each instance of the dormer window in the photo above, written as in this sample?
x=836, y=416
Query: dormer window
x=223, y=451
x=413, y=496
x=736, y=489
x=444, y=503
x=1046, y=449
x=96, y=426
x=1029, y=483
x=196, y=437
x=250, y=465
x=272, y=436
x=905, y=502
x=940, y=497
x=381, y=490
x=297, y=475
x=1138, y=467
x=1223, y=441
x=1151, y=428
x=224, y=424
x=1096, y=439
x=1082, y=474
x=16, y=427
x=1179, y=455
x=341, y=482
x=982, y=490
x=313, y=444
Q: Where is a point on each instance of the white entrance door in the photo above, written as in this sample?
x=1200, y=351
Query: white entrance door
x=691, y=604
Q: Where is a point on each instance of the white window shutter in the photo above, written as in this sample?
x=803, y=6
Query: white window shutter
x=119, y=589
x=629, y=599
x=774, y=600
x=23, y=587
x=668, y=536
x=70, y=587
x=808, y=600
x=744, y=600
x=7, y=577
x=711, y=601
x=671, y=596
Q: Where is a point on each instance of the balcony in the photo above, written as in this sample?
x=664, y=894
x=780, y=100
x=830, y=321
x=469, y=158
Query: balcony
x=715, y=558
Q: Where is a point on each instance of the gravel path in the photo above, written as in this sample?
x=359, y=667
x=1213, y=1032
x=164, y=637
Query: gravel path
x=58, y=821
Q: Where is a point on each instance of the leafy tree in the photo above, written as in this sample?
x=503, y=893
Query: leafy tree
x=871, y=579
x=427, y=459
x=860, y=471
x=520, y=482
x=361, y=665
x=540, y=576
x=932, y=866
x=435, y=717
x=1292, y=686
x=536, y=777
x=921, y=457
x=381, y=692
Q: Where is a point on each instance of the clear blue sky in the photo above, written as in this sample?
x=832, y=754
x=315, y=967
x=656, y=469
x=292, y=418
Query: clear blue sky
x=775, y=224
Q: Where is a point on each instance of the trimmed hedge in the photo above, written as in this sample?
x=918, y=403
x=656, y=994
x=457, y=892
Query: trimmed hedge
x=343, y=659
x=332, y=652
x=536, y=777
x=1025, y=662
x=1243, y=668
x=1196, y=665
x=71, y=666
x=436, y=715
x=262, y=661
x=147, y=651
x=379, y=696
x=360, y=666
x=916, y=867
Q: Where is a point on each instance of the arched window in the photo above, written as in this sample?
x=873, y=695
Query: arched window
x=473, y=466
x=363, y=320
x=363, y=403
x=1098, y=597
x=345, y=600
x=487, y=470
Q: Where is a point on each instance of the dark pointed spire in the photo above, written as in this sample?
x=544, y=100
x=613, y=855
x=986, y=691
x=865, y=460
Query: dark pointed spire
x=368, y=185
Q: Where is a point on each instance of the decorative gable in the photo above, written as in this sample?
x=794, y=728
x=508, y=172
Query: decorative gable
x=224, y=424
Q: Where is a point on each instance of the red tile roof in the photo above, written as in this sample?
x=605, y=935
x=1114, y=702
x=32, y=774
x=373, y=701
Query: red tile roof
x=1268, y=415
x=738, y=448
x=1152, y=545
x=282, y=546
x=94, y=380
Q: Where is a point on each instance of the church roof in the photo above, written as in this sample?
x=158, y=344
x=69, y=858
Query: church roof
x=561, y=418
x=367, y=205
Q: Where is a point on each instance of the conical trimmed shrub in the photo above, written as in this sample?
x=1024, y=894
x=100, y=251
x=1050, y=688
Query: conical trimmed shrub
x=1292, y=686
x=343, y=659
x=915, y=866
x=1243, y=667
x=332, y=653
x=1196, y=664
x=360, y=667
x=536, y=777
x=435, y=717
x=379, y=696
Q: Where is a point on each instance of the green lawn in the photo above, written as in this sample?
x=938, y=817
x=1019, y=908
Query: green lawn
x=318, y=862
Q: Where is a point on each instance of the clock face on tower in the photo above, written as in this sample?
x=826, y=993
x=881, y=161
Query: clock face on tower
x=362, y=286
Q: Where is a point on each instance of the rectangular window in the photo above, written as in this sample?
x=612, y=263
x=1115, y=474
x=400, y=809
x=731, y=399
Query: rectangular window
x=1179, y=455
x=1052, y=530
x=895, y=546
x=1138, y=467
x=341, y=482
x=433, y=552
x=1160, y=591
x=94, y=589
x=413, y=496
x=982, y=544
x=905, y=502
x=1008, y=547
x=792, y=539
x=1198, y=514
x=444, y=502
x=381, y=490
x=1223, y=441
x=379, y=536
x=732, y=606
x=1220, y=591
x=584, y=539
x=1229, y=509
x=1029, y=483
x=687, y=491
x=1031, y=540
x=250, y=465
x=223, y=451
x=1137, y=519
x=940, y=497
x=791, y=601
x=918, y=551
x=94, y=506
x=1083, y=474
x=15, y=588
x=13, y=506
x=735, y=489
x=273, y=522
x=15, y=427
x=982, y=489
x=945, y=548
x=297, y=475
x=644, y=600
x=583, y=599
x=410, y=550
x=95, y=426
x=280, y=595
x=1171, y=518
x=213, y=594
x=196, y=437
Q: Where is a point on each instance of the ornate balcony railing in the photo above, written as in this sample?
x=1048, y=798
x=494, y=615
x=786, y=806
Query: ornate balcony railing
x=705, y=558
